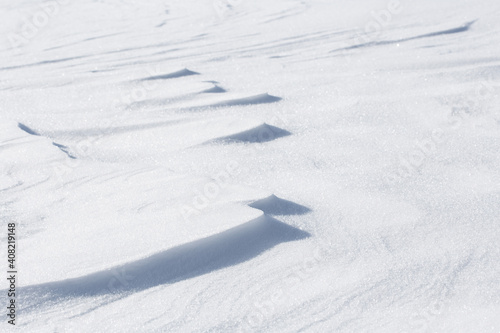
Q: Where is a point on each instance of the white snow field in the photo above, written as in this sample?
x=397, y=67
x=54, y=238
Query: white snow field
x=251, y=165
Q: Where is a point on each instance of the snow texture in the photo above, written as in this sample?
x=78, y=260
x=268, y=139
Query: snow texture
x=251, y=166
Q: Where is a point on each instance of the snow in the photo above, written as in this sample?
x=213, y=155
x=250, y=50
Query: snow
x=252, y=166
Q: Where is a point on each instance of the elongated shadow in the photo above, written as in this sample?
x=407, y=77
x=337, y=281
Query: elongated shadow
x=249, y=100
x=203, y=256
x=259, y=134
x=27, y=129
x=273, y=205
x=86, y=132
x=463, y=28
x=174, y=75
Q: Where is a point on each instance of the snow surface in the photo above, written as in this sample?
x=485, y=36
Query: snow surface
x=252, y=166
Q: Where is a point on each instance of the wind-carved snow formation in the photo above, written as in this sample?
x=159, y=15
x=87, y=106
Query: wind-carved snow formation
x=251, y=166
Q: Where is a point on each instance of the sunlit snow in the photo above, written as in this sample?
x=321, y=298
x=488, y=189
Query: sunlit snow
x=251, y=166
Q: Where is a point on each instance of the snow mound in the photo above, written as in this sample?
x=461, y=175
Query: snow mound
x=261, y=133
x=174, y=75
x=182, y=262
x=250, y=100
x=214, y=90
x=27, y=129
x=273, y=205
